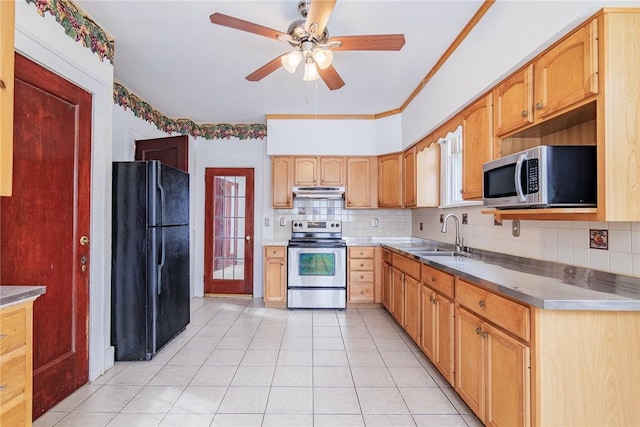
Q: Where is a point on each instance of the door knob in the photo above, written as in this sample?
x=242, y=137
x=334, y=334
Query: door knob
x=84, y=240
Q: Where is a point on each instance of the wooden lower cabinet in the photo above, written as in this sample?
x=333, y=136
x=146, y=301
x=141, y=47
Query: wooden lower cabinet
x=361, y=285
x=437, y=330
x=275, y=276
x=412, y=308
x=16, y=364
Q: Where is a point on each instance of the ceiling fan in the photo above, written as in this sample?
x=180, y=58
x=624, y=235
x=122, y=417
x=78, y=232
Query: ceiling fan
x=313, y=46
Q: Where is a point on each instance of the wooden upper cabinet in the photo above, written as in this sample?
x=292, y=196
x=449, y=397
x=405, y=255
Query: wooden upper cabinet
x=567, y=73
x=305, y=171
x=327, y=171
x=361, y=186
x=7, y=23
x=409, y=181
x=513, y=102
x=390, y=181
x=281, y=181
x=477, y=142
x=332, y=171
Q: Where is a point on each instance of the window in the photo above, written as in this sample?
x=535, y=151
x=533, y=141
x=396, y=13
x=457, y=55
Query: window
x=451, y=168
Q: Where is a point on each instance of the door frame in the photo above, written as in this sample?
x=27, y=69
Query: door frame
x=209, y=213
x=44, y=43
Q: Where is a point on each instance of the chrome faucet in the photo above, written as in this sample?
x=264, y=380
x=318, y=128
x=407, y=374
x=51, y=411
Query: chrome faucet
x=444, y=230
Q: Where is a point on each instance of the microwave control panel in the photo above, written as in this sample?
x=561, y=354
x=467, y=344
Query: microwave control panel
x=532, y=176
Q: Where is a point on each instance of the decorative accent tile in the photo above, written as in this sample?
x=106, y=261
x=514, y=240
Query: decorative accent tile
x=599, y=239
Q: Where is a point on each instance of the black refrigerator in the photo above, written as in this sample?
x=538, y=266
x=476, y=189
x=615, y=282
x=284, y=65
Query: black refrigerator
x=150, y=257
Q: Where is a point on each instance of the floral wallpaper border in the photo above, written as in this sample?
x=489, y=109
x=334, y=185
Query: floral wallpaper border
x=79, y=26
x=141, y=109
x=82, y=28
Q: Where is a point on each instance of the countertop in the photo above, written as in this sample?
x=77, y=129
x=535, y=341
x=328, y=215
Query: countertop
x=17, y=294
x=543, y=284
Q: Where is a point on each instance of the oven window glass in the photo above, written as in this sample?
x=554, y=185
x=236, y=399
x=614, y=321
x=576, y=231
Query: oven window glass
x=317, y=264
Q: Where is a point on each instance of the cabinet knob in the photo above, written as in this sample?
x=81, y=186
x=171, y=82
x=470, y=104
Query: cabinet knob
x=484, y=334
x=361, y=253
x=361, y=265
x=2, y=85
x=538, y=106
x=481, y=303
x=361, y=276
x=433, y=279
x=524, y=113
x=2, y=336
x=478, y=331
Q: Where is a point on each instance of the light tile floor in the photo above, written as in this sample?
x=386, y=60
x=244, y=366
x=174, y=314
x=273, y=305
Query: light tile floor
x=240, y=364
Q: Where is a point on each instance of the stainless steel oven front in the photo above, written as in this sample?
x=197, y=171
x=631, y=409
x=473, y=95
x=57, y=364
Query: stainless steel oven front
x=317, y=277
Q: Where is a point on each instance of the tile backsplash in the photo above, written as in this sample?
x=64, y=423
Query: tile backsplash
x=355, y=222
x=566, y=242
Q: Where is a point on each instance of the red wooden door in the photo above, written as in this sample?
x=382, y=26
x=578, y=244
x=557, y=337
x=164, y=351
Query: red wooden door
x=43, y=223
x=228, y=231
x=172, y=151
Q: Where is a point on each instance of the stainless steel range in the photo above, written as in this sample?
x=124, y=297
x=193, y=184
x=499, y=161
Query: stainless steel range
x=317, y=265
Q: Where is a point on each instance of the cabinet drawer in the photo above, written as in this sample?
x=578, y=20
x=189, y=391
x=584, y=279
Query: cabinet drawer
x=360, y=292
x=13, y=332
x=361, y=277
x=387, y=256
x=438, y=280
x=275, y=251
x=13, y=378
x=408, y=266
x=361, y=265
x=361, y=252
x=501, y=311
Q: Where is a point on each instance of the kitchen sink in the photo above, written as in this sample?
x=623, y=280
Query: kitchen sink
x=436, y=252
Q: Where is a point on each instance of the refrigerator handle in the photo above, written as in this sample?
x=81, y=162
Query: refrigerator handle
x=161, y=191
x=161, y=263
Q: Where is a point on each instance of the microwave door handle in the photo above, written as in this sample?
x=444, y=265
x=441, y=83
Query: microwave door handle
x=517, y=176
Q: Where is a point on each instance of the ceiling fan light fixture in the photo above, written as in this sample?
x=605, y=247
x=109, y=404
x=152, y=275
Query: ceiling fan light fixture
x=291, y=60
x=323, y=57
x=310, y=71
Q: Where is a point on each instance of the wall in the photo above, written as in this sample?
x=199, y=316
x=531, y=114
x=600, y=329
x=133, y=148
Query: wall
x=566, y=242
x=43, y=40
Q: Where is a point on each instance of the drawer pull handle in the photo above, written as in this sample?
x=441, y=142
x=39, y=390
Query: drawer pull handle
x=481, y=303
x=2, y=336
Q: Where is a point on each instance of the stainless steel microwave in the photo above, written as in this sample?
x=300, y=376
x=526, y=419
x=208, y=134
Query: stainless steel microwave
x=542, y=177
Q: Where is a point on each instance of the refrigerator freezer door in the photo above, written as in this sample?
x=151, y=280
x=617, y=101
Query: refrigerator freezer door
x=168, y=195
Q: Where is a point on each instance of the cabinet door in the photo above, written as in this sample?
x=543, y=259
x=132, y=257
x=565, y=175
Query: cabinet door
x=477, y=145
x=470, y=360
x=513, y=101
x=568, y=73
x=428, y=176
x=428, y=320
x=387, y=283
x=409, y=181
x=444, y=328
x=275, y=275
x=359, y=183
x=7, y=14
x=397, y=296
x=507, y=401
x=390, y=181
x=332, y=171
x=305, y=171
x=281, y=182
x=412, y=308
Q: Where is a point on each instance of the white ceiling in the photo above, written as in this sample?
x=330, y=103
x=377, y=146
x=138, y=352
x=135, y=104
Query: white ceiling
x=171, y=55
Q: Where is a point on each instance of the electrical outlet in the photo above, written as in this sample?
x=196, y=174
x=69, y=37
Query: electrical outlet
x=420, y=226
x=515, y=228
x=441, y=218
x=283, y=221
x=374, y=222
x=465, y=218
x=266, y=222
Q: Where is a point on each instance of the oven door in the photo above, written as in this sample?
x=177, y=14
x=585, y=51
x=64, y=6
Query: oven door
x=317, y=267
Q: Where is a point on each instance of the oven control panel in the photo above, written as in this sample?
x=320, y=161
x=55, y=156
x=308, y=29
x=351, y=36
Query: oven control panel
x=324, y=226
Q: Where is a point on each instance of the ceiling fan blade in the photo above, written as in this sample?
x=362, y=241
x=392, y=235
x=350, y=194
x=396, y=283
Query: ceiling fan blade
x=370, y=42
x=239, y=24
x=331, y=77
x=319, y=12
x=265, y=70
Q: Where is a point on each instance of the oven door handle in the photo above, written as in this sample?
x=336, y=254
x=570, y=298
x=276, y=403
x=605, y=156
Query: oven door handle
x=518, y=174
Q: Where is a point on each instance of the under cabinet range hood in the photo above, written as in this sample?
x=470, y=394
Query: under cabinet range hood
x=318, y=192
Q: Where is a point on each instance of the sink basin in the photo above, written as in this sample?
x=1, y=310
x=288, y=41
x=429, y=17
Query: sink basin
x=436, y=252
